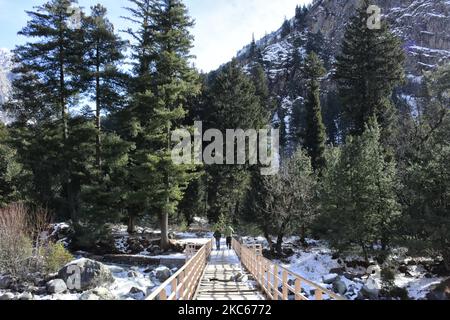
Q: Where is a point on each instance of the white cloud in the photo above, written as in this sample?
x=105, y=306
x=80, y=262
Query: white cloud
x=224, y=26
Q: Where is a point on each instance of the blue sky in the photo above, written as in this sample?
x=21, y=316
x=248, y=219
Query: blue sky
x=222, y=26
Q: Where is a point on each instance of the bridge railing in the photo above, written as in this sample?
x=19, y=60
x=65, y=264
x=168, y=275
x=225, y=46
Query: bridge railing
x=183, y=284
x=277, y=282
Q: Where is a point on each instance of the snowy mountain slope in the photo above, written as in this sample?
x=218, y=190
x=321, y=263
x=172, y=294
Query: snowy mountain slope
x=5, y=78
x=422, y=25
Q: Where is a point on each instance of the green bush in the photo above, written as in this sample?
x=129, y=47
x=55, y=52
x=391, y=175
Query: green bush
x=56, y=257
x=96, y=239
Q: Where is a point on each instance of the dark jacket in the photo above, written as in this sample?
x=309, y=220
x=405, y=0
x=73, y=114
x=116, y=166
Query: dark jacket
x=217, y=235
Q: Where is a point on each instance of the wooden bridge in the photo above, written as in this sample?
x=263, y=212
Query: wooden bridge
x=238, y=274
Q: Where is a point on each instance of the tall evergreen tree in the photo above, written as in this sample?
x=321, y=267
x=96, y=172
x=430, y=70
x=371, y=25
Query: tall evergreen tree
x=12, y=175
x=47, y=83
x=358, y=197
x=285, y=28
x=135, y=119
x=165, y=80
x=315, y=135
x=368, y=69
x=232, y=102
x=104, y=53
x=55, y=57
x=426, y=176
x=259, y=78
x=174, y=80
x=301, y=14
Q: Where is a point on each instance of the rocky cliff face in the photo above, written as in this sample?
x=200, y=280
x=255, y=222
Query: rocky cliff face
x=422, y=25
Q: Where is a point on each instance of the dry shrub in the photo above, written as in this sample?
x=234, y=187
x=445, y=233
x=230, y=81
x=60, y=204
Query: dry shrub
x=16, y=247
x=21, y=239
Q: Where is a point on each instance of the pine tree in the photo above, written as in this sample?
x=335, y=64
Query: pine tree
x=174, y=81
x=358, y=197
x=135, y=118
x=48, y=80
x=426, y=177
x=104, y=52
x=368, y=69
x=260, y=82
x=282, y=203
x=165, y=80
x=285, y=28
x=57, y=63
x=254, y=53
x=315, y=135
x=232, y=102
x=12, y=175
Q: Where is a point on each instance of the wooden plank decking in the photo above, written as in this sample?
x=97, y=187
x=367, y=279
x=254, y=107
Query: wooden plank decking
x=215, y=284
x=208, y=275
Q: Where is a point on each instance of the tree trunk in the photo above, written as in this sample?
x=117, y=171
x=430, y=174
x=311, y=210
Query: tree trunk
x=131, y=224
x=303, y=235
x=366, y=254
x=279, y=246
x=165, y=245
x=97, y=112
x=269, y=240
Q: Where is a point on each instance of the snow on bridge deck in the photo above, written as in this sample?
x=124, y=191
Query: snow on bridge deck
x=216, y=285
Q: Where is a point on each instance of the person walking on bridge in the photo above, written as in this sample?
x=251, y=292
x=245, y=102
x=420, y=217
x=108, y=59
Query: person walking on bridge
x=229, y=234
x=218, y=237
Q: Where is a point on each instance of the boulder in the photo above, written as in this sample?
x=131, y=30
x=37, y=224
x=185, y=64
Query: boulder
x=339, y=271
x=56, y=286
x=335, y=256
x=26, y=296
x=137, y=293
x=135, y=290
x=353, y=276
x=440, y=292
x=7, y=296
x=132, y=274
x=104, y=294
x=40, y=291
x=163, y=273
x=370, y=293
x=6, y=282
x=98, y=294
x=403, y=269
x=116, y=269
x=288, y=251
x=340, y=287
x=89, y=296
x=330, y=278
x=51, y=276
x=156, y=250
x=135, y=246
x=91, y=274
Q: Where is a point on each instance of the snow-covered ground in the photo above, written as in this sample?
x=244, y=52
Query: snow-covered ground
x=316, y=264
x=130, y=282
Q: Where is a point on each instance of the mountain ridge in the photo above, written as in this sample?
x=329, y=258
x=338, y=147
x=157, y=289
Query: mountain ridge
x=422, y=26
